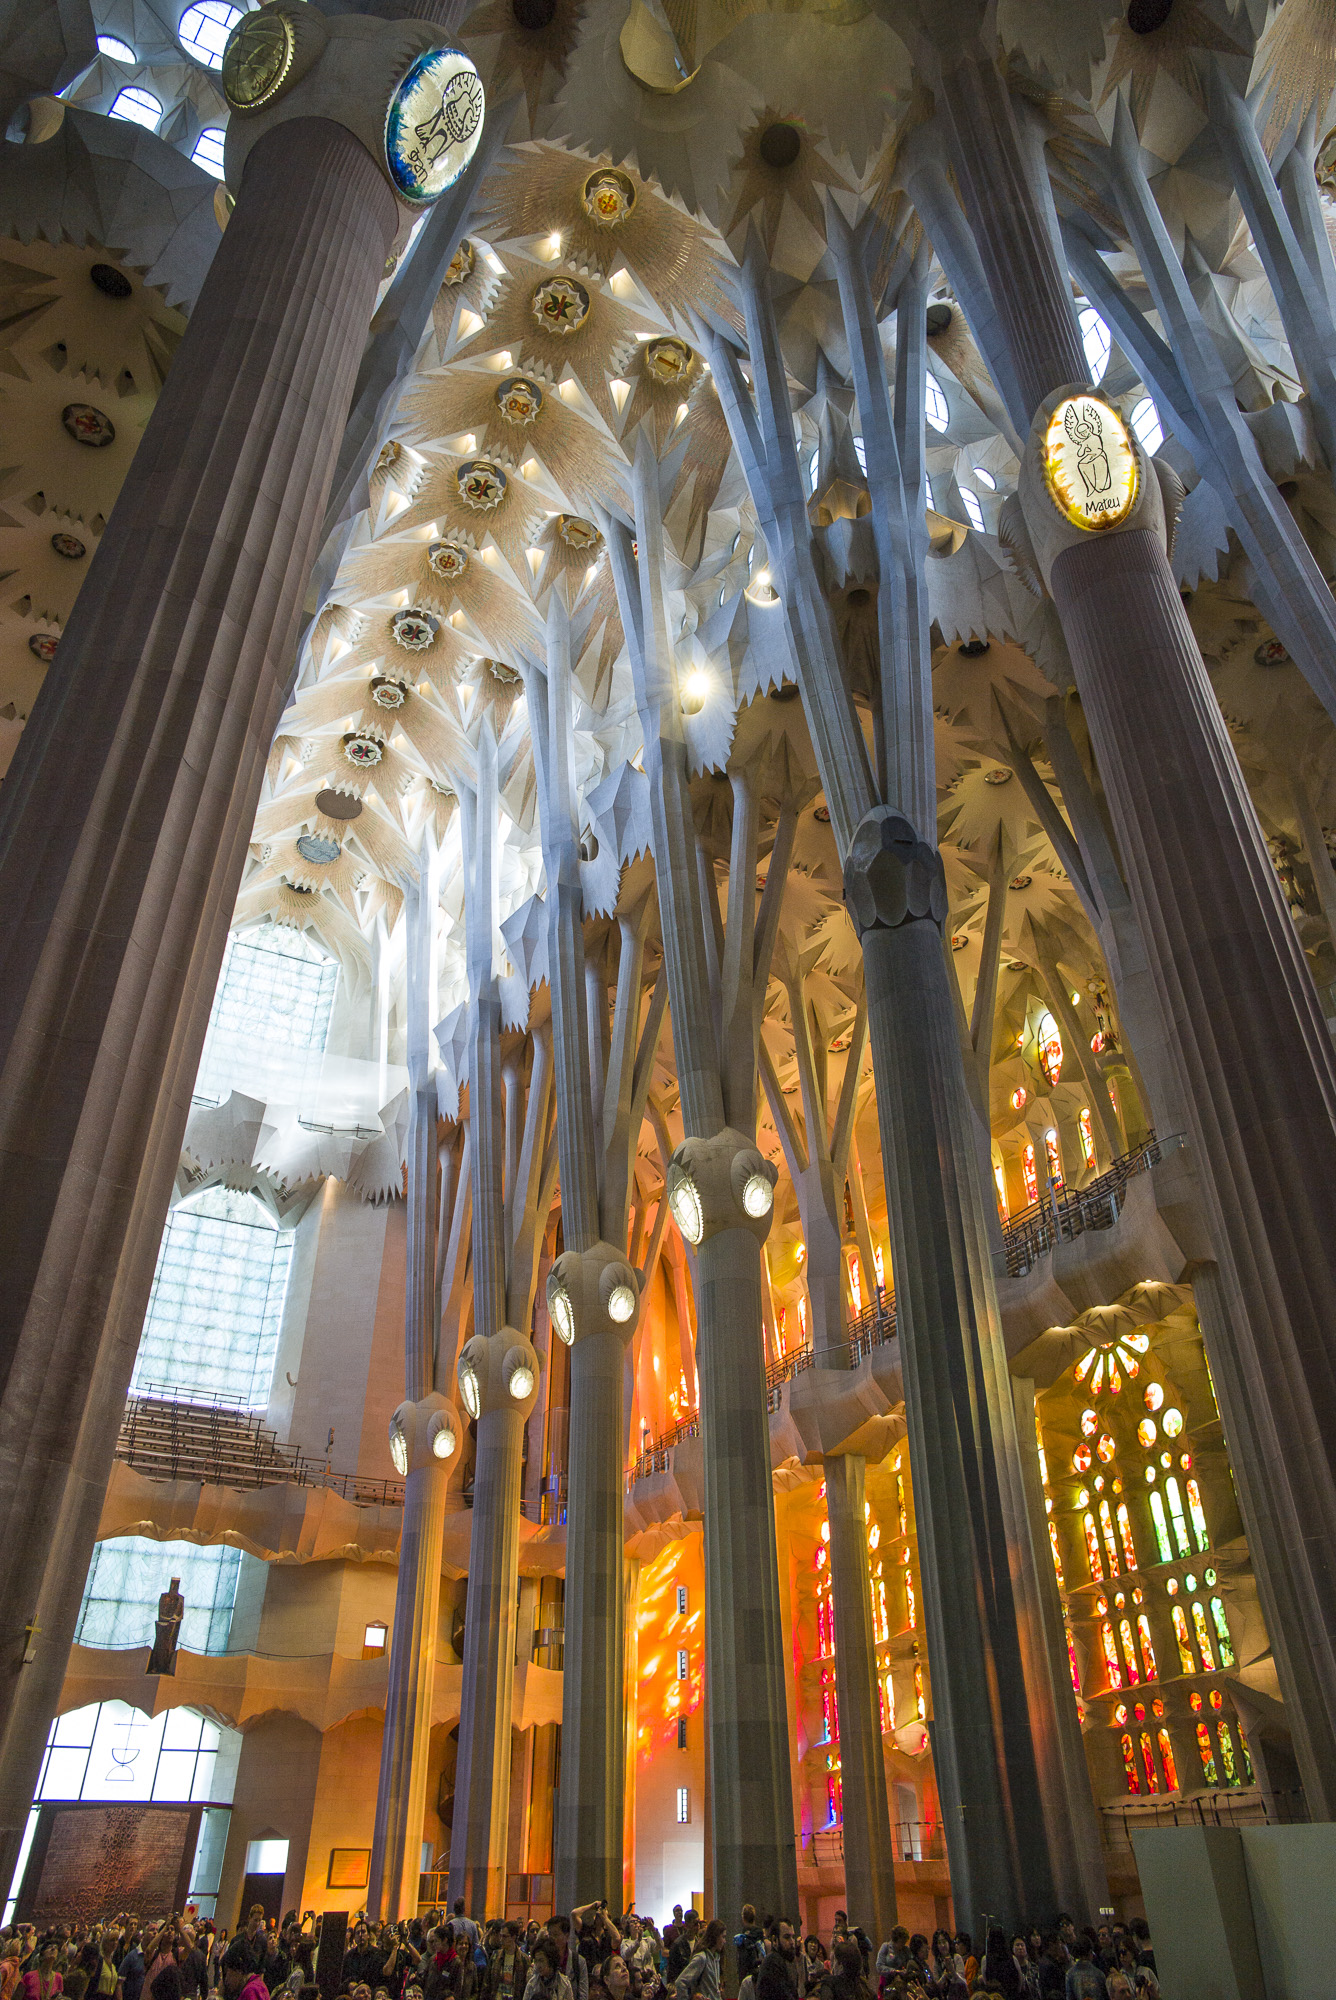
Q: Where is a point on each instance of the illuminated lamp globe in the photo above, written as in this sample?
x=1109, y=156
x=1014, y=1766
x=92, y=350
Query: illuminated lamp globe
x=399, y=1448
x=758, y=1197
x=443, y=1439
x=621, y=1304
x=468, y=1388
x=684, y=1201
x=520, y=1381
x=559, y=1308
x=694, y=690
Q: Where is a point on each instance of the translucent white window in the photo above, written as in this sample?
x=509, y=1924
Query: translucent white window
x=684, y=1805
x=270, y=1018
x=128, y=1575
x=973, y=511
x=266, y=1857
x=375, y=1638
x=985, y=478
x=112, y=1751
x=113, y=46
x=860, y=452
x=204, y=28
x=137, y=106
x=934, y=403
x=1096, y=342
x=216, y=1306
x=681, y=1600
x=682, y=1663
x=1146, y=425
x=927, y=491
x=813, y=466
x=208, y=151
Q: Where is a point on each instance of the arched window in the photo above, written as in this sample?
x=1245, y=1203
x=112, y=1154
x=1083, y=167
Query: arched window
x=985, y=478
x=1129, y=1652
x=1029, y=1176
x=1125, y=1535
x=113, y=46
x=1050, y=1048
x=973, y=511
x=1187, y=1659
x=934, y=402
x=1110, y=1652
x=137, y=106
x=1198, y=1513
x=1148, y=1762
x=1227, y=1763
x=208, y=151
x=1167, y=1761
x=1087, y=1136
x=1177, y=1516
x=1147, y=1650
x=1054, y=1157
x=1146, y=426
x=1199, y=1626
x=204, y=28
x=1130, y=1764
x=1207, y=1754
x=216, y=1306
x=1221, y=1624
x=1161, y=1528
x=1096, y=342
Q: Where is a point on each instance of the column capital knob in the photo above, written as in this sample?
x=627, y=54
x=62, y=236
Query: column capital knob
x=426, y=1434
x=498, y=1371
x=892, y=876
x=723, y=1182
x=414, y=100
x=593, y=1291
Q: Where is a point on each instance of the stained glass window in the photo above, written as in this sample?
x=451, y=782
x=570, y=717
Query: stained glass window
x=1161, y=1528
x=1125, y=1535
x=1087, y=1136
x=1054, y=1157
x=1057, y=1554
x=1110, y=1651
x=1167, y=1760
x=919, y=1700
x=1129, y=1651
x=1130, y=1764
x=1050, y=1048
x=1147, y=1649
x=1198, y=1513
x=216, y=1307
x=1092, y=1550
x=1106, y=1530
x=1207, y=1754
x=1221, y=1624
x=1177, y=1516
x=1148, y=1762
x=1203, y=1637
x=1029, y=1176
x=1227, y=1763
x=1187, y=1659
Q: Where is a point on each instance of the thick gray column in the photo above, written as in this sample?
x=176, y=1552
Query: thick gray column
x=1260, y=1084
x=123, y=832
x=869, y=1857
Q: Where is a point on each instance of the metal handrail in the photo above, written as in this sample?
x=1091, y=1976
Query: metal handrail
x=167, y=1436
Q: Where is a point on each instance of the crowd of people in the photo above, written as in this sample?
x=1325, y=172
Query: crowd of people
x=588, y=1955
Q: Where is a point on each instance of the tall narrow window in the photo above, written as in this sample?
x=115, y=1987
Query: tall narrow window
x=1148, y=1763
x=920, y=1701
x=216, y=1306
x=1167, y=1761
x=1207, y=1754
x=1147, y=1650
x=1227, y=1764
x=1177, y=1516
x=1186, y=1657
x=1001, y=1191
x=1198, y=1513
x=1125, y=1535
x=1092, y=1549
x=1199, y=1625
x=1130, y=1764
x=1087, y=1136
x=681, y=1663
x=1161, y=1527
x=900, y=1503
x=1071, y=1662
x=681, y=1732
x=1110, y=1655
x=684, y=1805
x=1221, y=1624
x=1053, y=1156
x=1057, y=1554
x=681, y=1600
x=910, y=1606
x=1106, y=1530
x=1029, y=1176
x=888, y=1698
x=1129, y=1651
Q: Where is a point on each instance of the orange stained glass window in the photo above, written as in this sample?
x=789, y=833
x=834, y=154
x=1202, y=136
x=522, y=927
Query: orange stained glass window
x=1167, y=1760
x=919, y=1701
x=1203, y=1637
x=1129, y=1651
x=1148, y=1763
x=1092, y=1550
x=1053, y=1156
x=1207, y=1754
x=1071, y=1661
x=856, y=1284
x=1001, y=1191
x=1186, y=1657
x=1029, y=1176
x=1050, y=1048
x=1106, y=1529
x=1198, y=1513
x=900, y=1502
x=910, y=1606
x=1110, y=1651
x=1147, y=1650
x=1087, y=1135
x=879, y=1265
x=883, y=1620
x=1230, y=1768
x=1130, y=1764
x=1125, y=1535
x=1057, y=1554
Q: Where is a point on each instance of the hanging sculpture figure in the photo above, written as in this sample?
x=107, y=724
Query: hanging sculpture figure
x=167, y=1630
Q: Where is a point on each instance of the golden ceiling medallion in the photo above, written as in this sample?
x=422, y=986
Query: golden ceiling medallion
x=257, y=58
x=609, y=196
x=1090, y=463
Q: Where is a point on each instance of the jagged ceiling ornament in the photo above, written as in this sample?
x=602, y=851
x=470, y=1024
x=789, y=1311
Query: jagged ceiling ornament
x=494, y=608
x=551, y=322
x=481, y=484
x=519, y=399
x=543, y=191
x=1139, y=58
x=513, y=422
x=773, y=175
x=1297, y=57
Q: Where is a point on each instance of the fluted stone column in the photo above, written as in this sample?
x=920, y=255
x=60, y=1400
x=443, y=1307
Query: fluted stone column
x=424, y=1437
x=869, y=1857
x=594, y=1303
x=493, y=1386
x=123, y=832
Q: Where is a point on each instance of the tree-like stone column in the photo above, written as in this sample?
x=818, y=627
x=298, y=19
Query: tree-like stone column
x=126, y=817
x=869, y=1858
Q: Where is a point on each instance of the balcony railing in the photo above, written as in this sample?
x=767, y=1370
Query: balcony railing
x=223, y=1443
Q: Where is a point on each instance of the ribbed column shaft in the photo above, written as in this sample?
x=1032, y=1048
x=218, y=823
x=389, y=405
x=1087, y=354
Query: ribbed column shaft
x=589, y=1810
x=482, y=1780
x=869, y=1858
x=401, y=1799
x=750, y=1783
x=981, y=1736
x=123, y=829
x=1259, y=1080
